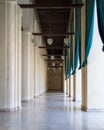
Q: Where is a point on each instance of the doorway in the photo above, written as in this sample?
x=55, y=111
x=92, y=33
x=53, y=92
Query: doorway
x=55, y=80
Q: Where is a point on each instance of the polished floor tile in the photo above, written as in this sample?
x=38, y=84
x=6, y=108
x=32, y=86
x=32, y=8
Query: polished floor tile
x=51, y=111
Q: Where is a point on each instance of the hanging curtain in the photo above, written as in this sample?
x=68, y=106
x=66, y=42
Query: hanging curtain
x=71, y=57
x=77, y=37
x=66, y=63
x=69, y=53
x=89, y=28
x=80, y=61
x=71, y=47
x=100, y=13
x=76, y=58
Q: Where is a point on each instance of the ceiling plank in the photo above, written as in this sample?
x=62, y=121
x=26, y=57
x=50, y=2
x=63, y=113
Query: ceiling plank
x=52, y=55
x=53, y=34
x=54, y=60
x=54, y=66
x=57, y=62
x=52, y=47
x=51, y=6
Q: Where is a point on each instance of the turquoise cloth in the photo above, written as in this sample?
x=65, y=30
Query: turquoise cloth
x=77, y=52
x=89, y=28
x=100, y=13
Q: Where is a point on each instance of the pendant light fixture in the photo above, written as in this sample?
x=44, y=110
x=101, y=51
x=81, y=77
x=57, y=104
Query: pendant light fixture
x=66, y=41
x=52, y=57
x=49, y=40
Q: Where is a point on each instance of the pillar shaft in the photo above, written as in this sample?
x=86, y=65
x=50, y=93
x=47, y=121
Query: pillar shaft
x=74, y=76
x=84, y=70
x=66, y=86
x=18, y=55
x=69, y=86
x=74, y=87
x=36, y=92
x=10, y=54
x=32, y=68
x=84, y=89
x=78, y=85
x=27, y=67
x=8, y=86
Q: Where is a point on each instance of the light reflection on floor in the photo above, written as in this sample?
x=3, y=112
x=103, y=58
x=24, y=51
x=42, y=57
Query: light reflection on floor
x=51, y=111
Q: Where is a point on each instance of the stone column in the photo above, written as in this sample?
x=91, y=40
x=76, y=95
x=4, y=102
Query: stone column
x=32, y=68
x=71, y=78
x=78, y=85
x=84, y=89
x=27, y=88
x=69, y=86
x=66, y=87
x=8, y=86
x=84, y=70
x=18, y=55
x=74, y=87
x=74, y=76
x=63, y=87
x=36, y=92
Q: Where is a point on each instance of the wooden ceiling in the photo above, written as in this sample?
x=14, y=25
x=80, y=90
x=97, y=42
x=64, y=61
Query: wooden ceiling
x=54, y=21
x=54, y=17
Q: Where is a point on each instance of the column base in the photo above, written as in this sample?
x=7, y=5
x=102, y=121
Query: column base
x=36, y=96
x=95, y=110
x=83, y=108
x=10, y=109
x=27, y=100
x=19, y=108
x=74, y=100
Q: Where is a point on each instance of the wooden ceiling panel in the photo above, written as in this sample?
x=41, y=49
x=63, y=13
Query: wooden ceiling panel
x=54, y=21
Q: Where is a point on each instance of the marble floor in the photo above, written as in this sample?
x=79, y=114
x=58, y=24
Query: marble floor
x=51, y=111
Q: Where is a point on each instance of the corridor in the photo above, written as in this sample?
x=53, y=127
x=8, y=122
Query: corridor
x=51, y=111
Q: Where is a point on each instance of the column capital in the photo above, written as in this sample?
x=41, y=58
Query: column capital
x=27, y=32
x=8, y=1
x=13, y=1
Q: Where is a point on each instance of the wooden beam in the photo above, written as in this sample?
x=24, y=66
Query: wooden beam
x=51, y=6
x=52, y=55
x=54, y=60
x=52, y=47
x=53, y=34
x=55, y=66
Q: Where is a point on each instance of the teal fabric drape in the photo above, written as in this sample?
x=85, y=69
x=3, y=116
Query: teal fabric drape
x=71, y=56
x=66, y=64
x=71, y=66
x=77, y=37
x=76, y=55
x=100, y=13
x=68, y=61
x=80, y=61
x=69, y=53
x=89, y=28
